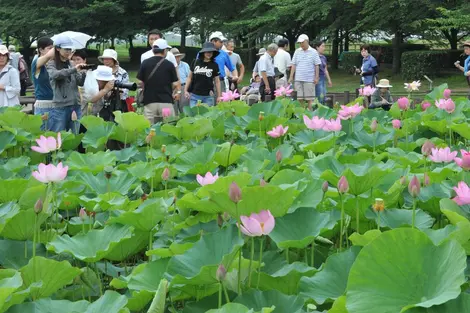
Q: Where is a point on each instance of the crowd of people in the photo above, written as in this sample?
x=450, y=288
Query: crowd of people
x=167, y=84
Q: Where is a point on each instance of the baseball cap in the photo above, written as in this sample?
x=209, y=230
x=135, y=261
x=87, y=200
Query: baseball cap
x=64, y=42
x=161, y=44
x=11, y=48
x=216, y=35
x=302, y=38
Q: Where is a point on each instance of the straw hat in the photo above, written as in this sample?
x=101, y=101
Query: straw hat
x=104, y=73
x=384, y=83
x=109, y=54
x=177, y=53
x=466, y=44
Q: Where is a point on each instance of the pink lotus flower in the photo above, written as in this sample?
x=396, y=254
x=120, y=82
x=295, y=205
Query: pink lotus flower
x=414, y=187
x=414, y=86
x=82, y=214
x=166, y=112
x=208, y=179
x=427, y=147
x=447, y=93
x=283, y=91
x=257, y=224
x=425, y=105
x=403, y=103
x=229, y=96
x=463, y=194
x=350, y=112
x=396, y=124
x=234, y=192
x=374, y=125
x=343, y=185
x=367, y=91
x=278, y=131
x=446, y=104
x=74, y=116
x=463, y=162
x=278, y=156
x=315, y=123
x=333, y=125
x=50, y=173
x=49, y=144
x=166, y=174
x=442, y=155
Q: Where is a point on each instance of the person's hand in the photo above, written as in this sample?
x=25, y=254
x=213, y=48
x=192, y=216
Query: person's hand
x=187, y=95
x=2, y=87
x=109, y=86
x=79, y=66
x=267, y=90
x=239, y=80
x=457, y=64
x=384, y=101
x=358, y=70
x=315, y=81
x=176, y=96
x=234, y=78
x=330, y=84
x=218, y=100
x=467, y=74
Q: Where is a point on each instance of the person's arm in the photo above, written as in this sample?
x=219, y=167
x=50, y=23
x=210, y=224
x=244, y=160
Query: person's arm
x=188, y=83
x=176, y=84
x=242, y=70
x=229, y=65
x=13, y=89
x=317, y=74
x=327, y=75
x=288, y=65
x=217, y=88
x=42, y=60
x=255, y=70
x=56, y=74
x=103, y=92
x=292, y=70
x=262, y=69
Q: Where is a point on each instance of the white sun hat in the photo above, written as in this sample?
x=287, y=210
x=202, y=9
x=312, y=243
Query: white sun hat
x=109, y=54
x=103, y=73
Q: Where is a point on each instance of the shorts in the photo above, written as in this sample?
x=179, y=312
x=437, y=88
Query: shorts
x=153, y=111
x=305, y=90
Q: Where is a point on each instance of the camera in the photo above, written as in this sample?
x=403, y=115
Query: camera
x=131, y=86
x=89, y=67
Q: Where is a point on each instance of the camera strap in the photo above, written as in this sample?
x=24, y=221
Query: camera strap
x=156, y=68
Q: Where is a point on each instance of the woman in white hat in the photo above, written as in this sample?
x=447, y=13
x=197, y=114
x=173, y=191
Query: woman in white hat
x=9, y=80
x=382, y=98
x=110, y=59
x=105, y=78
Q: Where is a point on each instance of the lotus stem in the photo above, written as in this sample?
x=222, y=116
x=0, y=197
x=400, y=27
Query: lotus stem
x=34, y=234
x=373, y=143
x=260, y=261
x=26, y=249
x=125, y=140
x=150, y=244
x=228, y=157
x=227, y=299
x=341, y=224
x=220, y=295
x=312, y=254
x=287, y=255
x=251, y=260
x=357, y=214
x=414, y=214
x=240, y=254
x=378, y=220
x=305, y=255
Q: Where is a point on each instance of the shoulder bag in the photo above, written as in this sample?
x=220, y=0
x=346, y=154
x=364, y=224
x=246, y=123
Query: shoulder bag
x=140, y=91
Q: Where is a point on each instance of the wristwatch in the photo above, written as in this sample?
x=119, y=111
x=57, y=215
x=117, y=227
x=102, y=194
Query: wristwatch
x=178, y=92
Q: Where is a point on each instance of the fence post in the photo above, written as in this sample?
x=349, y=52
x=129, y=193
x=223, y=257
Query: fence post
x=347, y=97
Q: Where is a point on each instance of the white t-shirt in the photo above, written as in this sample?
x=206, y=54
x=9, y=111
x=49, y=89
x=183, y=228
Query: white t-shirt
x=169, y=56
x=282, y=61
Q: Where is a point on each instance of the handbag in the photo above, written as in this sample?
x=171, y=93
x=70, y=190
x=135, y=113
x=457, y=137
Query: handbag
x=140, y=91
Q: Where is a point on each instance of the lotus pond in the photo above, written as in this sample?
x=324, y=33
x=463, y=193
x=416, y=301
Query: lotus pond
x=237, y=209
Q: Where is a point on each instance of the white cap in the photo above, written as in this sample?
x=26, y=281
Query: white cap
x=217, y=35
x=109, y=54
x=11, y=48
x=103, y=73
x=161, y=44
x=302, y=38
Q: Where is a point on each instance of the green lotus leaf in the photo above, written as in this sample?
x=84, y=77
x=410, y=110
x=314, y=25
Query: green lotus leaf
x=315, y=141
x=138, y=300
x=289, y=178
x=316, y=167
x=439, y=126
x=174, y=249
x=31, y=195
x=7, y=140
x=20, y=226
x=15, y=164
x=460, y=233
x=405, y=159
x=97, y=136
x=403, y=269
x=111, y=301
x=461, y=304
x=50, y=306
x=258, y=300
x=44, y=276
x=198, y=160
x=12, y=189
x=7, y=212
x=149, y=276
x=331, y=281
x=142, y=170
x=10, y=281
x=275, y=108
x=226, y=150
x=198, y=265
x=146, y=217
x=90, y=162
x=12, y=253
x=363, y=139
x=125, y=155
x=189, y=128
x=158, y=302
x=131, y=121
x=93, y=245
x=128, y=246
x=119, y=182
x=299, y=229
x=395, y=218
x=339, y=306
x=257, y=198
x=231, y=308
x=113, y=200
x=364, y=239
x=17, y=119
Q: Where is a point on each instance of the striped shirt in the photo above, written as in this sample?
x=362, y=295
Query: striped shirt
x=305, y=62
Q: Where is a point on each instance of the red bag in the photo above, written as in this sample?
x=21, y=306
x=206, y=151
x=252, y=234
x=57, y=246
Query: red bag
x=129, y=102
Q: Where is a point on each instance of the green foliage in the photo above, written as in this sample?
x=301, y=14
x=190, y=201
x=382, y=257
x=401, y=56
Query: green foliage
x=416, y=64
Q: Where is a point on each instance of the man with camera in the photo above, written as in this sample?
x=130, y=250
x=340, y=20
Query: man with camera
x=160, y=83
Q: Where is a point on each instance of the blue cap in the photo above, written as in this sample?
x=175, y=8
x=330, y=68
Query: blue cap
x=63, y=42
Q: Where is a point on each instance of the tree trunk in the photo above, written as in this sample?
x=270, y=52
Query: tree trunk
x=454, y=41
x=291, y=37
x=346, y=40
x=396, y=42
x=184, y=27
x=251, y=54
x=334, y=51
x=131, y=43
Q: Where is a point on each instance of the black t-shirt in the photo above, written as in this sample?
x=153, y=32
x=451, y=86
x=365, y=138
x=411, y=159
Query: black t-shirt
x=159, y=87
x=203, y=77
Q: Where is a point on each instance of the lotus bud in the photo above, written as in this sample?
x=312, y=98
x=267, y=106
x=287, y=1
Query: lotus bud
x=163, y=149
x=166, y=174
x=403, y=180
x=38, y=206
x=261, y=116
x=427, y=147
x=262, y=182
x=425, y=105
x=45, y=116
x=221, y=273
x=396, y=124
x=144, y=197
x=373, y=126
x=278, y=156
x=447, y=93
x=74, y=116
x=324, y=187
x=82, y=214
x=226, y=216
x=220, y=220
x=235, y=192
x=414, y=187
x=403, y=103
x=426, y=179
x=378, y=205
x=108, y=172
x=343, y=185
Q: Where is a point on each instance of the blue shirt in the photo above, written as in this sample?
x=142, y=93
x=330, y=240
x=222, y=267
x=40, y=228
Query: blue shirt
x=42, y=86
x=367, y=66
x=466, y=65
x=223, y=60
x=183, y=69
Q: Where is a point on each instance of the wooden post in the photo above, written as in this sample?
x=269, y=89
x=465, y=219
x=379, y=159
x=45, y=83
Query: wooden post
x=267, y=98
x=294, y=95
x=347, y=97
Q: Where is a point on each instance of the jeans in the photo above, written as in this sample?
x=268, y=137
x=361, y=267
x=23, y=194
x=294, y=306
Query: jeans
x=209, y=100
x=320, y=89
x=60, y=119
